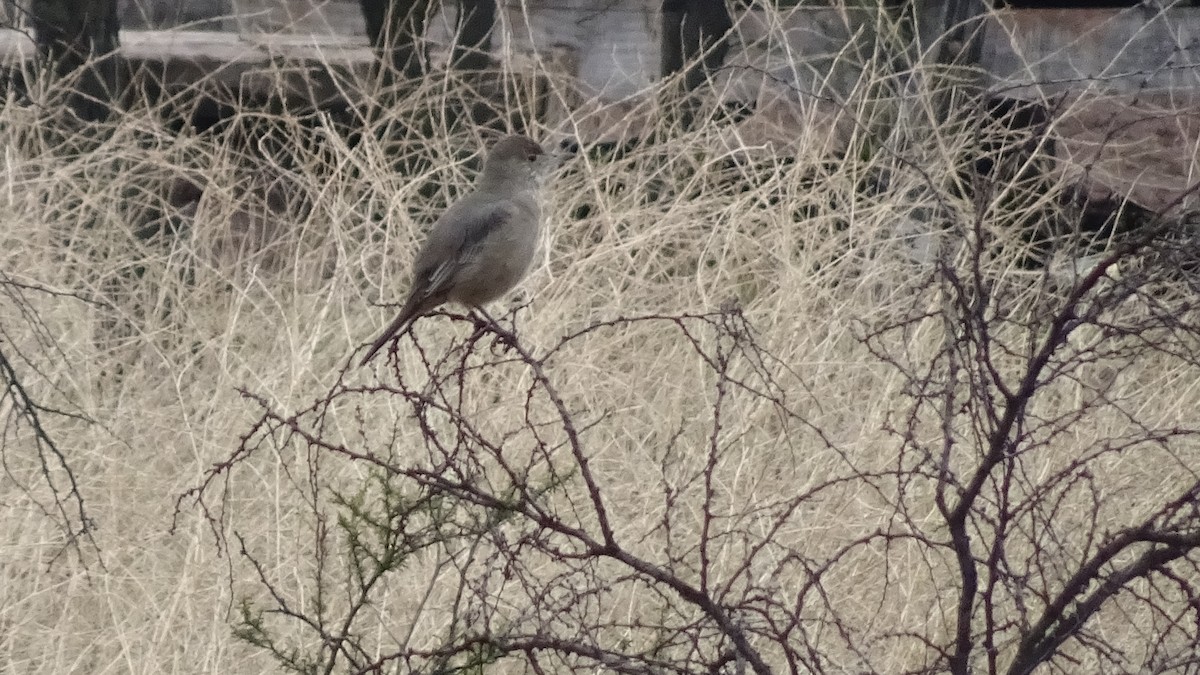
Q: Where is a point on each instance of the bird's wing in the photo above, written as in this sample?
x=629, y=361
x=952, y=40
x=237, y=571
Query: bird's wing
x=454, y=238
x=463, y=227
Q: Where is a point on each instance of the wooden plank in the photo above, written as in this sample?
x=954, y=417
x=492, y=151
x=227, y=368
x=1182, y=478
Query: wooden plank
x=262, y=66
x=819, y=51
x=218, y=47
x=614, y=43
x=1027, y=53
x=1146, y=151
x=300, y=17
x=1034, y=54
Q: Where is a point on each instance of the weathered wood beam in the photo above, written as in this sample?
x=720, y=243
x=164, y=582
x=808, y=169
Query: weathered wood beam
x=472, y=49
x=73, y=37
x=394, y=28
x=1037, y=53
x=257, y=66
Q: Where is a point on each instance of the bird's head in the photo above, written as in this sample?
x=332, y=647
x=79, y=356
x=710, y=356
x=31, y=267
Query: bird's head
x=517, y=162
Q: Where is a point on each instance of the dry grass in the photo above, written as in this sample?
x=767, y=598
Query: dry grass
x=144, y=342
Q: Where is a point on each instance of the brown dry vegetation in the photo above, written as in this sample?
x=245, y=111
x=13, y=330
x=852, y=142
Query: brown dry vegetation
x=827, y=353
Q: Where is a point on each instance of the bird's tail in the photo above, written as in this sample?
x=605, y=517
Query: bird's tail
x=405, y=317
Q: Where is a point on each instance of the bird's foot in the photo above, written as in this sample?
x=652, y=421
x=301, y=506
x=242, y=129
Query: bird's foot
x=501, y=336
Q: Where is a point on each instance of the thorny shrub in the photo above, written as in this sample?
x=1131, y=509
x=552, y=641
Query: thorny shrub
x=493, y=539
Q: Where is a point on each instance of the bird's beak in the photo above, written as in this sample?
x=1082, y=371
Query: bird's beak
x=550, y=163
x=563, y=151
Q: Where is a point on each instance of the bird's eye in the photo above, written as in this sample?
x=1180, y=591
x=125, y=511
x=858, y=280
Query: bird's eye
x=531, y=157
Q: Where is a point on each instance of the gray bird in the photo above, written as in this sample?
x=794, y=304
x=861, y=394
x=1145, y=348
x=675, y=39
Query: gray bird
x=483, y=244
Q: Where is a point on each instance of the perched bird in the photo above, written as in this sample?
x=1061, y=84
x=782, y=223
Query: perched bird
x=483, y=244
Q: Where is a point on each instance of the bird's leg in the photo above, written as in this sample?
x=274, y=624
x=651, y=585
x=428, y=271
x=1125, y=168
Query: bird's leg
x=503, y=335
x=515, y=311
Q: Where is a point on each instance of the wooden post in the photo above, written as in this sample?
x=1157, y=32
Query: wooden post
x=395, y=28
x=76, y=45
x=695, y=40
x=957, y=29
x=694, y=32
x=473, y=42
